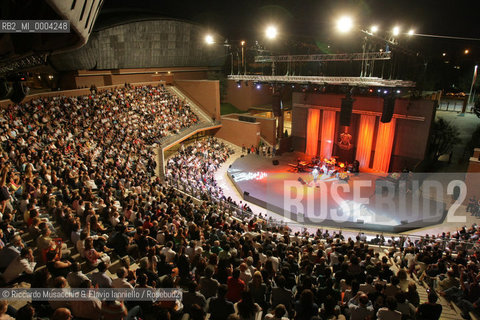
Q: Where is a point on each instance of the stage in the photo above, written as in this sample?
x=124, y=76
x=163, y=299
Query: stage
x=365, y=201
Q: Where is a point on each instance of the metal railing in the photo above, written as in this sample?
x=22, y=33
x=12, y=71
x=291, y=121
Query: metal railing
x=167, y=140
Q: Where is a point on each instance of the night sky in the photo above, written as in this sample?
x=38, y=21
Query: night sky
x=313, y=22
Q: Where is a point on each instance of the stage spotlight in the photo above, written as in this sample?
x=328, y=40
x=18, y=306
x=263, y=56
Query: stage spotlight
x=271, y=32
x=373, y=29
x=258, y=86
x=396, y=31
x=385, y=91
x=411, y=32
x=239, y=84
x=398, y=91
x=379, y=90
x=344, y=24
x=209, y=39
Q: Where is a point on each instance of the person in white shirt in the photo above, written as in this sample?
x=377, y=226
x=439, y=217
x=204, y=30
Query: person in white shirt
x=121, y=282
x=21, y=265
x=76, y=276
x=168, y=252
x=389, y=312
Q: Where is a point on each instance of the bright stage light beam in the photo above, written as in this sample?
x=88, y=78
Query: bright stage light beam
x=271, y=32
x=209, y=39
x=411, y=32
x=374, y=29
x=396, y=31
x=344, y=24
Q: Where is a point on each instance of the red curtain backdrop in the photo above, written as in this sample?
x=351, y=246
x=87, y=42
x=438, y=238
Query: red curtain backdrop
x=383, y=147
x=328, y=134
x=313, y=124
x=365, y=140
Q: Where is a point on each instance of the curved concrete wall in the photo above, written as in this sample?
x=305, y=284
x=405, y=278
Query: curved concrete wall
x=143, y=44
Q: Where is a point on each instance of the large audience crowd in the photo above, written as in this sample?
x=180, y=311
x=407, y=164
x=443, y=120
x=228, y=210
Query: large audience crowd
x=84, y=164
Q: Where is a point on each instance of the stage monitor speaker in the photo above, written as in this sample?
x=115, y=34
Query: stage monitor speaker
x=277, y=105
x=404, y=221
x=346, y=111
x=301, y=180
x=388, y=109
x=359, y=221
x=275, y=162
x=246, y=193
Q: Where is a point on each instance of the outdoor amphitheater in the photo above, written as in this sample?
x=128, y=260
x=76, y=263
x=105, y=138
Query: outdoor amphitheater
x=151, y=168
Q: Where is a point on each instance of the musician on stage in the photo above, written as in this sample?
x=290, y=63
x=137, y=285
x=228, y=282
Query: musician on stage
x=315, y=174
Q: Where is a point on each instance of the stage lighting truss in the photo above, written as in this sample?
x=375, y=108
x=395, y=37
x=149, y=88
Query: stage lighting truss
x=327, y=57
x=324, y=80
x=23, y=63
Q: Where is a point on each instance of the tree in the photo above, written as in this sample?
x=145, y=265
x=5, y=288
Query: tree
x=444, y=137
x=476, y=108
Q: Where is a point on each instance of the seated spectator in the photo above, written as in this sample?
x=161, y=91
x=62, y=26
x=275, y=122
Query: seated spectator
x=281, y=295
x=113, y=310
x=10, y=252
x=235, y=286
x=429, y=310
x=93, y=256
x=21, y=268
x=279, y=313
x=3, y=311
x=406, y=308
x=449, y=282
x=360, y=307
x=56, y=266
x=59, y=283
x=27, y=312
x=100, y=279
x=193, y=297
x=121, y=282
x=75, y=277
x=258, y=289
x=246, y=308
x=219, y=307
x=390, y=311
x=207, y=285
x=412, y=295
x=89, y=308
x=62, y=314
x=305, y=307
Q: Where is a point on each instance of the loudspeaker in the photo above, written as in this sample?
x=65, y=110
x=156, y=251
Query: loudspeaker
x=246, y=193
x=277, y=105
x=388, y=109
x=404, y=221
x=20, y=91
x=360, y=221
x=301, y=180
x=275, y=162
x=346, y=111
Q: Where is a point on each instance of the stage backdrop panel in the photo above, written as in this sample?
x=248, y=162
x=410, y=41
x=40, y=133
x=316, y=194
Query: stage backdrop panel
x=328, y=134
x=383, y=147
x=313, y=123
x=365, y=140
